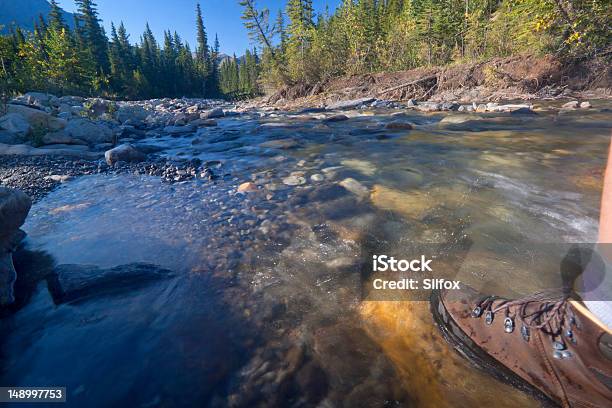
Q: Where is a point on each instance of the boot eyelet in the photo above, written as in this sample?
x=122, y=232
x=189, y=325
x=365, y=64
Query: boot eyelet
x=525, y=332
x=508, y=325
x=477, y=312
x=489, y=317
x=557, y=345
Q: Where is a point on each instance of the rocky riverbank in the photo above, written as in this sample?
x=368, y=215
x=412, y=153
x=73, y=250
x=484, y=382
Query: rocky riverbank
x=46, y=140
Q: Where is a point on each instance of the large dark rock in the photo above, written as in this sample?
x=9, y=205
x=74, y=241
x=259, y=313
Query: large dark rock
x=125, y=153
x=72, y=282
x=14, y=208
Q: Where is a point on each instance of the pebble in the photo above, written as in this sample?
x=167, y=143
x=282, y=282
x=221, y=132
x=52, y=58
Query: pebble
x=294, y=180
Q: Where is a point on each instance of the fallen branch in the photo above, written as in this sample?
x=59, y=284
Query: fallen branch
x=395, y=88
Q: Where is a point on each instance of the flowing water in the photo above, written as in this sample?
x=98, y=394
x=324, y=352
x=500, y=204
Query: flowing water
x=266, y=306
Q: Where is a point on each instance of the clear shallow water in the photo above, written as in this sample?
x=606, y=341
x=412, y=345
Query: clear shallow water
x=266, y=306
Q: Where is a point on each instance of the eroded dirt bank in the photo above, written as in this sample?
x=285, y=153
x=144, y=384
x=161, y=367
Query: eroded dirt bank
x=523, y=77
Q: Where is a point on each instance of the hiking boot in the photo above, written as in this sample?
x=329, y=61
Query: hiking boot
x=545, y=344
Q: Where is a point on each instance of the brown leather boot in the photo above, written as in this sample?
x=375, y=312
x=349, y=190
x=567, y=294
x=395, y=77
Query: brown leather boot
x=545, y=344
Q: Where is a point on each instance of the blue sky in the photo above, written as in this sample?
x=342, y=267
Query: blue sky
x=220, y=16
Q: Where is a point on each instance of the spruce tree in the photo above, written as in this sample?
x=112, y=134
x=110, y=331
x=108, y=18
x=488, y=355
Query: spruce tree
x=93, y=34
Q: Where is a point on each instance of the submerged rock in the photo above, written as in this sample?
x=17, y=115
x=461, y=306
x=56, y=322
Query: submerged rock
x=125, y=153
x=355, y=187
x=73, y=282
x=14, y=208
x=399, y=125
x=336, y=118
x=247, y=187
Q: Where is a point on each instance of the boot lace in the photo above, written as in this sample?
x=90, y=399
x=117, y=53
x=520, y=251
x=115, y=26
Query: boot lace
x=548, y=311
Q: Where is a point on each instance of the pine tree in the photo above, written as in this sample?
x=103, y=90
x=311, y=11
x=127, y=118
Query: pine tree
x=93, y=34
x=202, y=51
x=56, y=19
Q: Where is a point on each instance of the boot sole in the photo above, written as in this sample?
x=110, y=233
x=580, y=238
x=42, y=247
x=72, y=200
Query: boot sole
x=479, y=358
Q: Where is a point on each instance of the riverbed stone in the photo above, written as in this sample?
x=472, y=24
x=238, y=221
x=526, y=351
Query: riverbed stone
x=398, y=125
x=294, y=180
x=37, y=118
x=16, y=124
x=585, y=104
x=68, y=283
x=14, y=208
x=336, y=118
x=212, y=114
x=89, y=131
x=355, y=187
x=571, y=105
x=61, y=137
x=124, y=153
x=247, y=187
x=7, y=137
x=279, y=144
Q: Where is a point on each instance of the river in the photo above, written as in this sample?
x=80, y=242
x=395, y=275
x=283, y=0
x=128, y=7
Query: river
x=266, y=307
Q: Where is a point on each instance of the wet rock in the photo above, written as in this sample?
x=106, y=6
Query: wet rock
x=280, y=144
x=355, y=187
x=523, y=111
x=476, y=123
x=125, y=153
x=212, y=114
x=247, y=187
x=570, y=105
x=16, y=124
x=75, y=282
x=429, y=107
x=410, y=204
x=362, y=166
x=37, y=118
x=294, y=180
x=336, y=118
x=14, y=208
x=585, y=104
x=317, y=178
x=204, y=122
x=351, y=104
x=398, y=125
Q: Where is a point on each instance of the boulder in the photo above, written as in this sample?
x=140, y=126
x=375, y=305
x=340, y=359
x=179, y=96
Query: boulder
x=27, y=150
x=9, y=137
x=336, y=118
x=212, y=114
x=585, y=105
x=37, y=99
x=137, y=114
x=351, y=104
x=571, y=105
x=125, y=153
x=14, y=208
x=15, y=123
x=75, y=282
x=61, y=137
x=37, y=118
x=398, y=125
x=88, y=131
